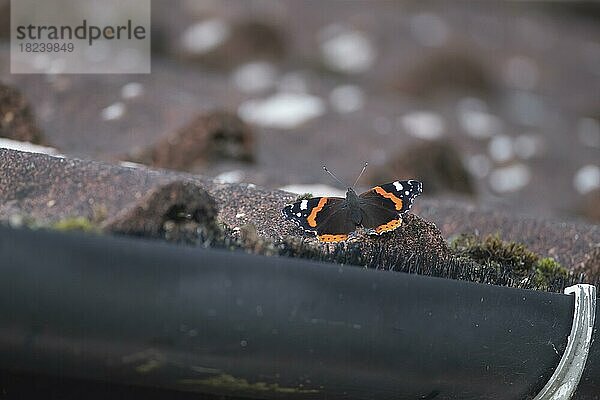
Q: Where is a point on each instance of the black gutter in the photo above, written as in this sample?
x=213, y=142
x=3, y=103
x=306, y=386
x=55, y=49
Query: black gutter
x=130, y=313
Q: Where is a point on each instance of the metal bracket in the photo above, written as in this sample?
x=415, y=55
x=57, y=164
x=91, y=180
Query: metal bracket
x=564, y=381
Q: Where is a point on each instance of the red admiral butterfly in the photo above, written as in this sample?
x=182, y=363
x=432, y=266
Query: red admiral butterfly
x=378, y=210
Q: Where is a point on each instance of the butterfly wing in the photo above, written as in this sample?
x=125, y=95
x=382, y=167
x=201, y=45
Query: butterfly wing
x=328, y=217
x=383, y=206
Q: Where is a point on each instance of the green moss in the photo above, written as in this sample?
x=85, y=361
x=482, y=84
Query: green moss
x=492, y=249
x=233, y=384
x=75, y=224
x=523, y=265
x=148, y=366
x=304, y=196
x=548, y=269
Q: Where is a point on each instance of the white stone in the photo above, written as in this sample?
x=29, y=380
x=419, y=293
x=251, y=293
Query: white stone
x=317, y=190
x=527, y=146
x=346, y=50
x=479, y=125
x=234, y=176
x=587, y=179
x=132, y=90
x=423, y=125
x=113, y=112
x=129, y=164
x=510, y=179
x=501, y=148
x=255, y=77
x=28, y=147
x=347, y=98
x=205, y=36
x=282, y=110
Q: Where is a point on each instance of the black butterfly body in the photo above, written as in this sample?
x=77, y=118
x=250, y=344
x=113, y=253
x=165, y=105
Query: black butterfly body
x=378, y=210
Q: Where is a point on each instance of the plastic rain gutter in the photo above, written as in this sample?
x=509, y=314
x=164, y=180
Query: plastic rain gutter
x=95, y=316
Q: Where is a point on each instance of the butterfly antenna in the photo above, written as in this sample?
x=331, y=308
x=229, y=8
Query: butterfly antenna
x=333, y=176
x=361, y=172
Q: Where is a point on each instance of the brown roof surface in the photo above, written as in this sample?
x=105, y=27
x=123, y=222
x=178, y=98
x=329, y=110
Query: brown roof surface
x=49, y=188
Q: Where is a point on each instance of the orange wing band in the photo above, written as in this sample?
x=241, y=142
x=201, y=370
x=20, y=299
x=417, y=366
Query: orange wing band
x=390, y=226
x=312, y=218
x=332, y=238
x=396, y=200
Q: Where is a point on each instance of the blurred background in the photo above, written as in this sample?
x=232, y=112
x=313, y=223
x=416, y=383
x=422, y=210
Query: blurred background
x=493, y=103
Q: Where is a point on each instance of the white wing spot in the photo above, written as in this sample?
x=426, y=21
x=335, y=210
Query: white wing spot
x=304, y=204
x=407, y=192
x=298, y=214
x=398, y=186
